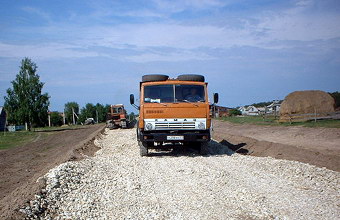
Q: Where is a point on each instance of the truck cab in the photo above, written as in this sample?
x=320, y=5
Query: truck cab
x=173, y=112
x=117, y=117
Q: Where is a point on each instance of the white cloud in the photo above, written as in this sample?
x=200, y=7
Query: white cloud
x=43, y=51
x=38, y=12
x=175, y=6
x=290, y=25
x=172, y=57
x=146, y=42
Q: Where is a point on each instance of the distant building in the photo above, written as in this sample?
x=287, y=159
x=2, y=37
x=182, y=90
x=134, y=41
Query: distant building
x=220, y=111
x=242, y=109
x=249, y=110
x=2, y=118
x=252, y=110
x=274, y=107
x=261, y=110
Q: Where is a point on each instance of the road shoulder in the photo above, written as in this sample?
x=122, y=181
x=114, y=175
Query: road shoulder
x=316, y=146
x=21, y=167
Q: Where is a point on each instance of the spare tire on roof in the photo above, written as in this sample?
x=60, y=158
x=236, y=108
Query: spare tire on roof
x=191, y=77
x=154, y=77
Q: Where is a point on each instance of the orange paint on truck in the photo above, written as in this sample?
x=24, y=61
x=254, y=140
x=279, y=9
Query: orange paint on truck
x=172, y=111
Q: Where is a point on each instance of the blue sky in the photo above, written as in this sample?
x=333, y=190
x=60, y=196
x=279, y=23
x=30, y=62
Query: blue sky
x=97, y=51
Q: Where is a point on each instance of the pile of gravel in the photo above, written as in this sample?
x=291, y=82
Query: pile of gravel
x=119, y=184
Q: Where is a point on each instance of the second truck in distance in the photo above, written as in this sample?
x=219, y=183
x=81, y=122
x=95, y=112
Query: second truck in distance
x=117, y=117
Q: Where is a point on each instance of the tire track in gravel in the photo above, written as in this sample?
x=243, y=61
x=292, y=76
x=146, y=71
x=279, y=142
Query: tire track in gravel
x=119, y=184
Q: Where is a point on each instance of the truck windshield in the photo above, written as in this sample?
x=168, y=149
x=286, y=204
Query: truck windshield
x=174, y=93
x=118, y=110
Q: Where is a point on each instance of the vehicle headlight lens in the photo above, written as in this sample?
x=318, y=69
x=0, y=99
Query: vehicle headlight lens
x=148, y=126
x=201, y=125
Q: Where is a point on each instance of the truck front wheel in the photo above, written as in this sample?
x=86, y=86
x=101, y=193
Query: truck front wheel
x=143, y=148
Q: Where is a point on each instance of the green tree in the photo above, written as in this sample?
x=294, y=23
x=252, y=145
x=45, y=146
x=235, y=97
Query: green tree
x=26, y=103
x=234, y=112
x=56, y=119
x=68, y=111
x=89, y=111
x=336, y=96
x=132, y=116
x=102, y=112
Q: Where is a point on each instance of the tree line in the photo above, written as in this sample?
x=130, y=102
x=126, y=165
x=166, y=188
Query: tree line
x=98, y=112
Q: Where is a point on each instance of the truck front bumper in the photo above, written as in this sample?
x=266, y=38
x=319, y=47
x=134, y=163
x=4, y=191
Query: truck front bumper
x=163, y=136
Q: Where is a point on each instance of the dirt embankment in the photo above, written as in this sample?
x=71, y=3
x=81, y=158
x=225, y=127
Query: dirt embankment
x=316, y=146
x=20, y=167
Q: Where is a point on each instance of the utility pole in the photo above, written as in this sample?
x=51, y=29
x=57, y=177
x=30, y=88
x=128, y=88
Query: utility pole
x=64, y=117
x=73, y=116
x=49, y=119
x=5, y=123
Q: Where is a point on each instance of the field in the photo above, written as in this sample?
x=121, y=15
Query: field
x=270, y=120
x=14, y=139
x=19, y=138
x=29, y=155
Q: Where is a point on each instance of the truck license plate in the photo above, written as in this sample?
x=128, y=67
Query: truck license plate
x=175, y=138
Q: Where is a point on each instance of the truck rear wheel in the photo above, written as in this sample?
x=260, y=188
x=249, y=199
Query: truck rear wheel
x=143, y=148
x=204, y=148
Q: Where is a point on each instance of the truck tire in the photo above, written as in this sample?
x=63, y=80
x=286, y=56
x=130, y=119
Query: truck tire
x=191, y=77
x=154, y=77
x=143, y=149
x=204, y=150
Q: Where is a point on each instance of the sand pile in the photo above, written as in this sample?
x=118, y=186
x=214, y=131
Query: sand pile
x=310, y=102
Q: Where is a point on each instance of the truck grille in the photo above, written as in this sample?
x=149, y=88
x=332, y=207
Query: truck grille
x=175, y=125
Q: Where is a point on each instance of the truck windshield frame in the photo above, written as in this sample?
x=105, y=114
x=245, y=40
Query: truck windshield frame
x=117, y=110
x=174, y=93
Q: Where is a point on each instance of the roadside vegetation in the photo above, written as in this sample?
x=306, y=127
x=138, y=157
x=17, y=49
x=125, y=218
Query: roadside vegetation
x=14, y=139
x=19, y=138
x=270, y=120
x=59, y=128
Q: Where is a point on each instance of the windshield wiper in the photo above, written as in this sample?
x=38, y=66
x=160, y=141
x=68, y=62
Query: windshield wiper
x=161, y=103
x=184, y=100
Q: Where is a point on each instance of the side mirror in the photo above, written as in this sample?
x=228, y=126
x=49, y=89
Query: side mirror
x=215, y=97
x=132, y=99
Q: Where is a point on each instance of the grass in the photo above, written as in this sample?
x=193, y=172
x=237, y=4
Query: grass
x=59, y=128
x=259, y=120
x=19, y=138
x=14, y=139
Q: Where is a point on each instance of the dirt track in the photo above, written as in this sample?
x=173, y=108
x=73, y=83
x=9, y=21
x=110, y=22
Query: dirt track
x=20, y=167
x=316, y=146
x=119, y=184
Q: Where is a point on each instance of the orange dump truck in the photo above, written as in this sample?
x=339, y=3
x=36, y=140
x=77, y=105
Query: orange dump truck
x=117, y=117
x=173, y=112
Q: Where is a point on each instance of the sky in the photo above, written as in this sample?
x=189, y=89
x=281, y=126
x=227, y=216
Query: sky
x=97, y=51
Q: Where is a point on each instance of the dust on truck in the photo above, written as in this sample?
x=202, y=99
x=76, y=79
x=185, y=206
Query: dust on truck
x=117, y=117
x=173, y=112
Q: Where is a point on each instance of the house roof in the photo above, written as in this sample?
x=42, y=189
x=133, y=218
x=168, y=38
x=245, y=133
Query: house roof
x=273, y=104
x=250, y=107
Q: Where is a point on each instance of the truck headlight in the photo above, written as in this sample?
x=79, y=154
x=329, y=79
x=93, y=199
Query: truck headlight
x=201, y=126
x=148, y=126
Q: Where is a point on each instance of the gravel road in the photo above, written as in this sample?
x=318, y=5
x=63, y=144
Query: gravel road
x=119, y=184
